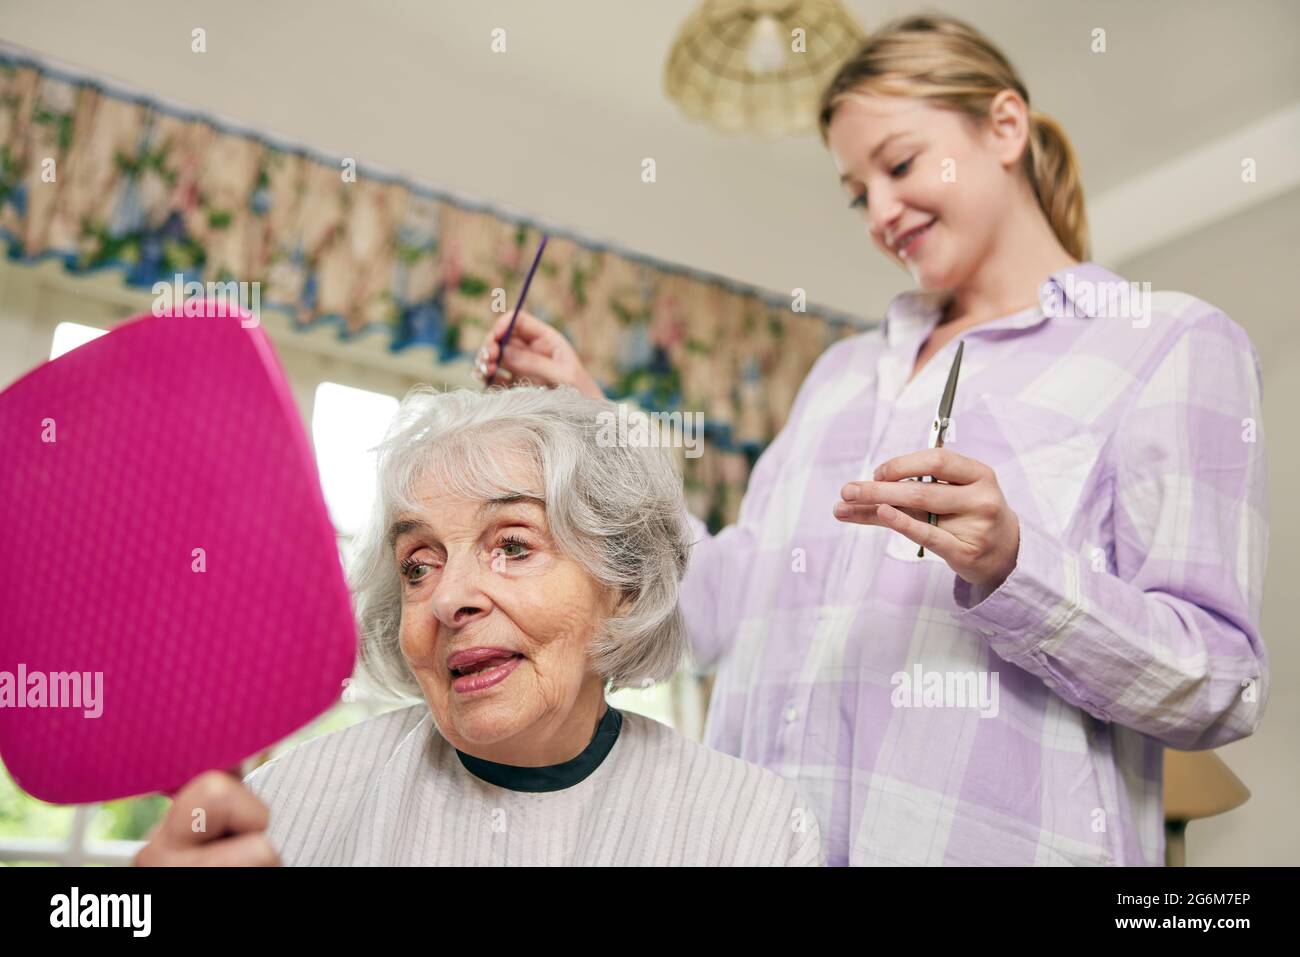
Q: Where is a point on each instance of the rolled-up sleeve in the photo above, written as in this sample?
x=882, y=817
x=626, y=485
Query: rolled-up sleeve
x=1164, y=635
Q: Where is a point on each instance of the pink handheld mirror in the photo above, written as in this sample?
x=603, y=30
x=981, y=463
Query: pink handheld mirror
x=168, y=570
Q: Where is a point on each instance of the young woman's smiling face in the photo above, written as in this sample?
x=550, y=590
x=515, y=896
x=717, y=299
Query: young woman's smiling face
x=907, y=165
x=496, y=625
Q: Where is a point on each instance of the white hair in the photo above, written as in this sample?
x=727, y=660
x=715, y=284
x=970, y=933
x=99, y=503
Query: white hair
x=617, y=510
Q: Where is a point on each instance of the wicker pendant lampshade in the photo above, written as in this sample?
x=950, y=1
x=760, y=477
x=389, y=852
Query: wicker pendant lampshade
x=758, y=66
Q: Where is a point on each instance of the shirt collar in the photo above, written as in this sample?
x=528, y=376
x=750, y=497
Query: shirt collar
x=918, y=309
x=553, y=777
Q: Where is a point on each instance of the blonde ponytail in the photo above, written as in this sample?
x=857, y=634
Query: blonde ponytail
x=1054, y=174
x=948, y=61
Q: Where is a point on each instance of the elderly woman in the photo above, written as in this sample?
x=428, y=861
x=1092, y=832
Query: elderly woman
x=518, y=567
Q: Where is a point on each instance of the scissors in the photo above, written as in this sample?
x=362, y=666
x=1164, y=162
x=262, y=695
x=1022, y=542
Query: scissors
x=942, y=419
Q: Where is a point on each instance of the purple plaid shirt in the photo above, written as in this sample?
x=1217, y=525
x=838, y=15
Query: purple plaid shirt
x=929, y=722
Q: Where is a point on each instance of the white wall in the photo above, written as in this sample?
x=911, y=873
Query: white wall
x=1244, y=265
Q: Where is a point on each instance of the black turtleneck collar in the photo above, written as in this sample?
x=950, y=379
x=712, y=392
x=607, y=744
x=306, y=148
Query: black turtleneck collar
x=552, y=777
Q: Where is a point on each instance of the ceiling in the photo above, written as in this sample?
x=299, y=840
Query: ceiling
x=557, y=126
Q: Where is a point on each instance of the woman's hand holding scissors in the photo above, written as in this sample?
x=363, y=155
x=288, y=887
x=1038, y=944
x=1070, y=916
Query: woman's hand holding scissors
x=978, y=534
x=980, y=539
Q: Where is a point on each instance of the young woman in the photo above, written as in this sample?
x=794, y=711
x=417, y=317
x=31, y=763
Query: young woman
x=1091, y=591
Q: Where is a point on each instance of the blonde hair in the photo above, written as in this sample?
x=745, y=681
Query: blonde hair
x=948, y=61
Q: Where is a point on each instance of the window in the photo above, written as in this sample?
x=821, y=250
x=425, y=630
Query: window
x=70, y=335
x=346, y=423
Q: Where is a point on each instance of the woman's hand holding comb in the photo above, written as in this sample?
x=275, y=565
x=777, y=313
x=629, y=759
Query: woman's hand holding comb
x=535, y=352
x=214, y=821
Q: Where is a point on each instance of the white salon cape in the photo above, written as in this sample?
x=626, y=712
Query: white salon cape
x=393, y=791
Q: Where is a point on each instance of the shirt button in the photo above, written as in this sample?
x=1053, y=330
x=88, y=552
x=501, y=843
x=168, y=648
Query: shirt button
x=988, y=632
x=791, y=714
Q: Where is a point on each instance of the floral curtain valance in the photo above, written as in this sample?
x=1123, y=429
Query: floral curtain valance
x=152, y=190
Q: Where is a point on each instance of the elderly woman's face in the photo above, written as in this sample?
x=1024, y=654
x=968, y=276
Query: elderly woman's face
x=495, y=621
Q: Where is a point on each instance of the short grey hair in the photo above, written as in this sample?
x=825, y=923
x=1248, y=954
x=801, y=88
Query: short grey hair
x=617, y=510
